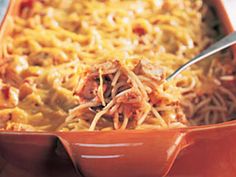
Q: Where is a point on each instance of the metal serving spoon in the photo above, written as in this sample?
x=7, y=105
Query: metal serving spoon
x=221, y=44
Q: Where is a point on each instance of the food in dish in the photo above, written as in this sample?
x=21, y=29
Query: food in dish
x=101, y=65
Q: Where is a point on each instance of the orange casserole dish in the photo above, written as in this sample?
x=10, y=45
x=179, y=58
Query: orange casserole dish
x=192, y=151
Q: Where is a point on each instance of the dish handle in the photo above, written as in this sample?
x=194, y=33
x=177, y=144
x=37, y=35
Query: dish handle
x=127, y=153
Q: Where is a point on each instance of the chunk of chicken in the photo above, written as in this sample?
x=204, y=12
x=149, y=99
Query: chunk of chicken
x=131, y=101
x=88, y=87
x=150, y=70
x=14, y=69
x=8, y=96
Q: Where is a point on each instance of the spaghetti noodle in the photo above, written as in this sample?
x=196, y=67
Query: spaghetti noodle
x=101, y=65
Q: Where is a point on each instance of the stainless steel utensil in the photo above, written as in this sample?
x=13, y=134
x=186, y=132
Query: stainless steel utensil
x=221, y=44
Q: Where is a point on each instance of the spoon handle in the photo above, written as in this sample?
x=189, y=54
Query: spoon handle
x=221, y=44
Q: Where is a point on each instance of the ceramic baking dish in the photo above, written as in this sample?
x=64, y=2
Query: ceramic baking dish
x=204, y=151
